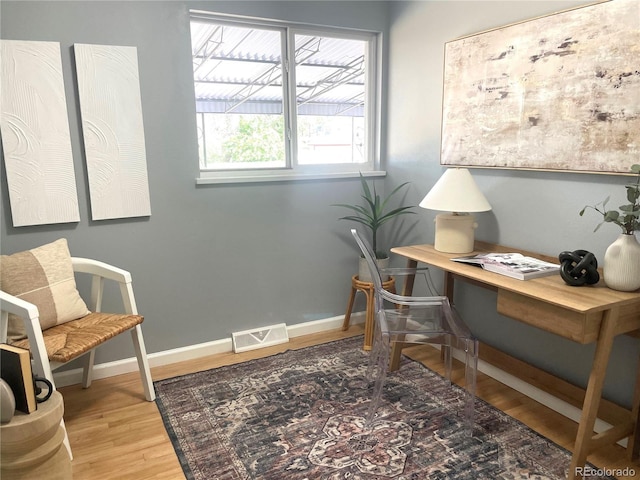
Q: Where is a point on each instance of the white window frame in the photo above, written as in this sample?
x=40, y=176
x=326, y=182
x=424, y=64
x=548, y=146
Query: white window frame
x=292, y=170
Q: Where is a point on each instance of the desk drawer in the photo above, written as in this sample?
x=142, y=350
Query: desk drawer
x=581, y=328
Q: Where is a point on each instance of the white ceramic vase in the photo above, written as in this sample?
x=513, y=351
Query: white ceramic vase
x=364, y=275
x=621, y=266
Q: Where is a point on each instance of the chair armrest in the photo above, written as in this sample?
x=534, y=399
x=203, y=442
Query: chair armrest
x=412, y=272
x=17, y=306
x=413, y=301
x=100, y=272
x=31, y=317
x=95, y=267
x=404, y=271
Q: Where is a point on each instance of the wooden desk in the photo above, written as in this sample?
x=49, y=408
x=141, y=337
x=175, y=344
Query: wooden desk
x=582, y=314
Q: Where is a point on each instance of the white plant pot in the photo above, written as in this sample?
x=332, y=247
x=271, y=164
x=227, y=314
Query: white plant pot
x=364, y=274
x=621, y=266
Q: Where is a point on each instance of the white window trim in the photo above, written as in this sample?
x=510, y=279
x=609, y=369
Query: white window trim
x=309, y=172
x=284, y=176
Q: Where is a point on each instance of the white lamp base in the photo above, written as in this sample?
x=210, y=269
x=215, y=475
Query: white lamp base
x=454, y=233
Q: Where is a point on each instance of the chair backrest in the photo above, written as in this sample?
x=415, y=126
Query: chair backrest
x=370, y=257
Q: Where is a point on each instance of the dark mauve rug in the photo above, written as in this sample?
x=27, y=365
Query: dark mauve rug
x=299, y=415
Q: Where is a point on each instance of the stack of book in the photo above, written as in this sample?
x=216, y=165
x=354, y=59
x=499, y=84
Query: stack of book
x=15, y=369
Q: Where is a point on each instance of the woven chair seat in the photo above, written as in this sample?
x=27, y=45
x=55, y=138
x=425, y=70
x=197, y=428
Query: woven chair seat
x=70, y=340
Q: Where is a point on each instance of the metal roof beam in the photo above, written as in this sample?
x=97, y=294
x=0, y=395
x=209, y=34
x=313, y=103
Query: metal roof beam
x=217, y=42
x=334, y=80
x=307, y=50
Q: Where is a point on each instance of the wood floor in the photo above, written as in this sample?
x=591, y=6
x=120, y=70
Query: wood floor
x=116, y=434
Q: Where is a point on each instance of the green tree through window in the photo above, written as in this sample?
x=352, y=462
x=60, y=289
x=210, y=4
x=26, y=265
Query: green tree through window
x=256, y=139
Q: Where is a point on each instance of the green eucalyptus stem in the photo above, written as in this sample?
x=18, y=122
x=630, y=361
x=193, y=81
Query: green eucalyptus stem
x=627, y=216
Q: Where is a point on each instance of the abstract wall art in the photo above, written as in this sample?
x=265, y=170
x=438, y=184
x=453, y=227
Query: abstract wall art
x=559, y=93
x=113, y=131
x=35, y=135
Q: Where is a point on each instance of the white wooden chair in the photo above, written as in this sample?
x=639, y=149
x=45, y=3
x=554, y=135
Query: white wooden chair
x=52, y=347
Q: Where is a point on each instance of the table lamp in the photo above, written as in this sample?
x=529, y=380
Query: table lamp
x=455, y=192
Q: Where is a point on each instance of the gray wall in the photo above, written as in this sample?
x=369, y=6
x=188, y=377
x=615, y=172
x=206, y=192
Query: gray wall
x=210, y=260
x=531, y=210
x=216, y=259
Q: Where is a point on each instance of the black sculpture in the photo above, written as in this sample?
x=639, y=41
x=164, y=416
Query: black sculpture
x=579, y=268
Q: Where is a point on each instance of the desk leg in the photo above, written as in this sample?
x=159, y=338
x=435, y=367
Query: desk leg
x=593, y=394
x=633, y=447
x=448, y=286
x=407, y=290
x=448, y=281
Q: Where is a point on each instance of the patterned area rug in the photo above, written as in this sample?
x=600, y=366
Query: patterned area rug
x=300, y=415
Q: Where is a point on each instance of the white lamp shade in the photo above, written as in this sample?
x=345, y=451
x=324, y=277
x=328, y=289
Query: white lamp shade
x=456, y=191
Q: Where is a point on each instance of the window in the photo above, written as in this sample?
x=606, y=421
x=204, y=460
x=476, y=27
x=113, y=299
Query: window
x=282, y=101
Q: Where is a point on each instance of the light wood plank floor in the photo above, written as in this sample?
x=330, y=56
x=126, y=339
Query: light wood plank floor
x=116, y=434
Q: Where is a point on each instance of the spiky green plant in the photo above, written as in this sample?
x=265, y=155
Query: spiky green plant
x=627, y=216
x=372, y=214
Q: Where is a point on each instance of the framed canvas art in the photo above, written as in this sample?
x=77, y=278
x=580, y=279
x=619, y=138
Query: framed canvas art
x=113, y=130
x=35, y=135
x=559, y=93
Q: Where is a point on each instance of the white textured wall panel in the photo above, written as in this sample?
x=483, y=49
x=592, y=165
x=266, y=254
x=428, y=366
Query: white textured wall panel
x=109, y=90
x=35, y=135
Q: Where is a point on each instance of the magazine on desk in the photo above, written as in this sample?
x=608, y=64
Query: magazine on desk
x=513, y=265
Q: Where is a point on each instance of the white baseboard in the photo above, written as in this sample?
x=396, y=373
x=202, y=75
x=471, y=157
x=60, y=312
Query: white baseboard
x=539, y=395
x=167, y=357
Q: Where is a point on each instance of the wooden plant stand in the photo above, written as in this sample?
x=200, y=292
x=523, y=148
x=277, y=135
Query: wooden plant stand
x=369, y=290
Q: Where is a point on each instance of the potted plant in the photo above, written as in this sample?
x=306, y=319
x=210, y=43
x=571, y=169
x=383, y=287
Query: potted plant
x=621, y=267
x=372, y=214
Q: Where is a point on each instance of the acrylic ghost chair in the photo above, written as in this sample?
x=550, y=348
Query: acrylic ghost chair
x=416, y=320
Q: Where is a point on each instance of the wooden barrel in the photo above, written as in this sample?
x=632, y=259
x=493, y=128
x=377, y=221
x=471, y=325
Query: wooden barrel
x=31, y=445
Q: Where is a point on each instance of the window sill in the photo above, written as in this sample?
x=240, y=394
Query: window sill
x=223, y=178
